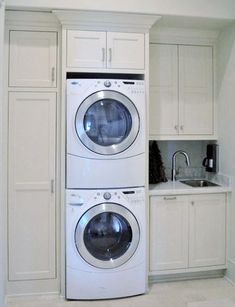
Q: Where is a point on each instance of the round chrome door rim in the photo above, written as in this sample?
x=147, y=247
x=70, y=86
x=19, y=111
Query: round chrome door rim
x=112, y=149
x=84, y=220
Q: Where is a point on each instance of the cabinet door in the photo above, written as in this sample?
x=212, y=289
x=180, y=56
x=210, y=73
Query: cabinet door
x=168, y=233
x=86, y=49
x=207, y=230
x=195, y=90
x=125, y=50
x=31, y=198
x=32, y=59
x=163, y=89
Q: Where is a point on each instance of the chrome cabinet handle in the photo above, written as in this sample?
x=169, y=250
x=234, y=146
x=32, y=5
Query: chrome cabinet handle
x=192, y=203
x=103, y=54
x=53, y=74
x=181, y=127
x=110, y=54
x=76, y=204
x=176, y=127
x=170, y=198
x=52, y=186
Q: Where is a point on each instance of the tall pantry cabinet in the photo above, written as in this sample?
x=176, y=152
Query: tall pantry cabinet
x=32, y=140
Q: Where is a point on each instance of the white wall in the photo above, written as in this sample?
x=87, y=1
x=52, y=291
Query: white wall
x=2, y=273
x=203, y=8
x=226, y=99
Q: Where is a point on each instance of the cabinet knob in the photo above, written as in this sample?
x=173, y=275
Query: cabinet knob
x=181, y=127
x=192, y=203
x=176, y=127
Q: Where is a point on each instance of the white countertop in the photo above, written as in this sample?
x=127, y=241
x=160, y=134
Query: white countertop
x=178, y=188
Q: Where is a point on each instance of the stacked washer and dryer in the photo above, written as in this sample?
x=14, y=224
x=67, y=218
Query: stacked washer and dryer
x=105, y=187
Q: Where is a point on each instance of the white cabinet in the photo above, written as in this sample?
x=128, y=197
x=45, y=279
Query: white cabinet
x=31, y=197
x=89, y=49
x=32, y=59
x=207, y=230
x=32, y=155
x=86, y=49
x=181, y=91
x=163, y=80
x=187, y=232
x=168, y=233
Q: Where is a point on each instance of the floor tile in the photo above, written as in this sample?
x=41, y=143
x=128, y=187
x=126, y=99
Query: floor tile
x=167, y=294
x=213, y=303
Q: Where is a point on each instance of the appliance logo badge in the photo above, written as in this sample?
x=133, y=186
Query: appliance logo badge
x=74, y=83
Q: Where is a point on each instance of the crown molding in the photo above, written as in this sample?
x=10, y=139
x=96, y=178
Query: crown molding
x=170, y=35
x=106, y=21
x=32, y=19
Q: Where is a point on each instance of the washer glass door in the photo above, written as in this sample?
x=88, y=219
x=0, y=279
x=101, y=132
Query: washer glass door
x=107, y=122
x=107, y=235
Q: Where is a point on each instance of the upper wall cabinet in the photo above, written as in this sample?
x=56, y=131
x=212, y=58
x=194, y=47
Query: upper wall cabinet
x=181, y=92
x=89, y=49
x=32, y=59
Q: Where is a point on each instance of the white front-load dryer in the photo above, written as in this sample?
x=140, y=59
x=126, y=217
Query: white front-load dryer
x=106, y=138
x=105, y=243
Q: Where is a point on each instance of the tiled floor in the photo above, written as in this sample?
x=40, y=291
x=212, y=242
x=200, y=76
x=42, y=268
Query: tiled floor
x=171, y=294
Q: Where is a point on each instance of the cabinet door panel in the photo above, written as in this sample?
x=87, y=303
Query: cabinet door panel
x=32, y=59
x=125, y=50
x=168, y=233
x=207, y=230
x=31, y=202
x=163, y=89
x=195, y=90
x=86, y=49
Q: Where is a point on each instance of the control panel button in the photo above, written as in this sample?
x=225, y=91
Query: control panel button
x=107, y=83
x=107, y=195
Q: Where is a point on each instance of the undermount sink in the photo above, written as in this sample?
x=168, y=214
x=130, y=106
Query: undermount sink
x=198, y=183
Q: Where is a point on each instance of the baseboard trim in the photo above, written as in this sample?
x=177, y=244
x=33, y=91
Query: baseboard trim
x=13, y=297
x=187, y=276
x=230, y=274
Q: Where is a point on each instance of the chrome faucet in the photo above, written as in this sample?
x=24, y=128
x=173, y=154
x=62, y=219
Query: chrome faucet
x=173, y=170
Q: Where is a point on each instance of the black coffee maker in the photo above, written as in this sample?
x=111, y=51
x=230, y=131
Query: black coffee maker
x=211, y=160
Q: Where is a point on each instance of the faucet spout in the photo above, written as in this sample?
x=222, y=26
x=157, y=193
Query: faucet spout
x=173, y=170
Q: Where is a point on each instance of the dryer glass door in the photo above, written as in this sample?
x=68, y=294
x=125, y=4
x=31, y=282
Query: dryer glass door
x=107, y=122
x=107, y=235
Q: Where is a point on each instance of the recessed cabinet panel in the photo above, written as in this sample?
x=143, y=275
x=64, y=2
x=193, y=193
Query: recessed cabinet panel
x=207, y=230
x=31, y=198
x=163, y=89
x=32, y=59
x=86, y=49
x=168, y=233
x=125, y=50
x=195, y=89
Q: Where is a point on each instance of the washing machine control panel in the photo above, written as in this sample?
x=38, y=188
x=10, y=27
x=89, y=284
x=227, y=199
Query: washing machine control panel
x=80, y=198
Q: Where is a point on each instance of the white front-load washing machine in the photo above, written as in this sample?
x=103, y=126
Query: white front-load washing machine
x=106, y=138
x=105, y=243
